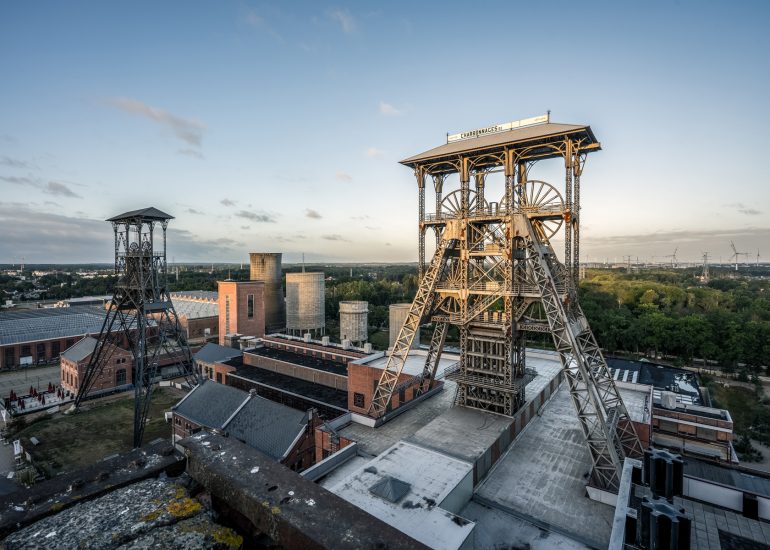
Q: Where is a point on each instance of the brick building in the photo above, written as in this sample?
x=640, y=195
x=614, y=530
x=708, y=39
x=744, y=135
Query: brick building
x=241, y=309
x=198, y=313
x=284, y=434
x=37, y=336
x=211, y=360
x=116, y=374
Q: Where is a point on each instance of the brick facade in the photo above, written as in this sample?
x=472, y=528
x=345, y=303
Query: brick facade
x=118, y=371
x=241, y=308
x=362, y=382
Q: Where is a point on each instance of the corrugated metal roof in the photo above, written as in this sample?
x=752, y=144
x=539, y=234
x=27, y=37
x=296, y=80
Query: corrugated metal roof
x=194, y=309
x=196, y=294
x=267, y=426
x=211, y=404
x=149, y=213
x=31, y=325
x=490, y=141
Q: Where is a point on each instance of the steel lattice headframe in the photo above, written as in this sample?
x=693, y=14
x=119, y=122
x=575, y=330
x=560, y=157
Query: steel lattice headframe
x=141, y=313
x=494, y=268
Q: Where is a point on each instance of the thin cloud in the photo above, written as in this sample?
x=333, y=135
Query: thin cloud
x=258, y=22
x=188, y=130
x=60, y=190
x=54, y=188
x=312, y=214
x=345, y=20
x=194, y=211
x=15, y=163
x=245, y=227
x=227, y=202
x=386, y=109
x=374, y=153
x=255, y=217
x=743, y=209
x=335, y=237
x=190, y=153
x=21, y=180
x=343, y=176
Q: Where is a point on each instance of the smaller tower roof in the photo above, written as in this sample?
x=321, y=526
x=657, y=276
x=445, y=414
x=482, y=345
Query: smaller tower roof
x=150, y=214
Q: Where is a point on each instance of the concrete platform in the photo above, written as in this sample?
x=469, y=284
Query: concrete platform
x=543, y=475
x=373, y=441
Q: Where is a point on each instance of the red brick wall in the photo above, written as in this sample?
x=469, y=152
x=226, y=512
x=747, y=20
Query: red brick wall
x=323, y=444
x=363, y=380
x=72, y=373
x=195, y=329
x=237, y=293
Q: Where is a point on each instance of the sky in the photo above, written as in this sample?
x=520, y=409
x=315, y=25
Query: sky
x=278, y=127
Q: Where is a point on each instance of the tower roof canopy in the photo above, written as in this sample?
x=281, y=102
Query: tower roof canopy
x=149, y=214
x=516, y=138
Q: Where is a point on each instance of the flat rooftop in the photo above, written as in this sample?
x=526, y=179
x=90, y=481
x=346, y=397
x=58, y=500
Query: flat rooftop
x=414, y=363
x=308, y=361
x=303, y=388
x=544, y=365
x=431, y=485
x=542, y=476
x=194, y=308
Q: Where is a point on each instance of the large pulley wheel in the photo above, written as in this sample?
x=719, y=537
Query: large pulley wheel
x=543, y=205
x=451, y=205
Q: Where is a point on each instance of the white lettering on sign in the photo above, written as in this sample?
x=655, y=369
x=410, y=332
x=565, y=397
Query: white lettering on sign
x=497, y=128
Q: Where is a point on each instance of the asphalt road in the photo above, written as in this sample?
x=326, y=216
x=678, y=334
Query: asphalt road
x=20, y=380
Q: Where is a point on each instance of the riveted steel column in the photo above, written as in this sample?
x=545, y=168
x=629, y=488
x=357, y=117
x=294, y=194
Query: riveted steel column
x=420, y=174
x=568, y=162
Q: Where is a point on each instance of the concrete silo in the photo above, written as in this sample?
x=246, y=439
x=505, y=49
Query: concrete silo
x=305, y=303
x=266, y=267
x=397, y=315
x=354, y=321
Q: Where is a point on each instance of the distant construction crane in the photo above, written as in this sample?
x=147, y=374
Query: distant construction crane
x=673, y=257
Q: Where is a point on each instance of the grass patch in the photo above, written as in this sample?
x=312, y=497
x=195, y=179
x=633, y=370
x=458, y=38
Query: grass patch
x=69, y=442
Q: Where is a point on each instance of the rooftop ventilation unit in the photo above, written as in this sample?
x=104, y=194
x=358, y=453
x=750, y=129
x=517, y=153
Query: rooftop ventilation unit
x=390, y=488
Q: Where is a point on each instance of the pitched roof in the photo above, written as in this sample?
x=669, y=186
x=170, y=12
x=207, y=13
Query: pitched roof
x=81, y=349
x=267, y=426
x=214, y=353
x=494, y=141
x=150, y=213
x=210, y=404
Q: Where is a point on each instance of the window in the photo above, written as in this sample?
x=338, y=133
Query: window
x=227, y=315
x=26, y=351
x=120, y=377
x=55, y=348
x=358, y=400
x=10, y=357
x=250, y=306
x=70, y=342
x=219, y=377
x=402, y=395
x=40, y=352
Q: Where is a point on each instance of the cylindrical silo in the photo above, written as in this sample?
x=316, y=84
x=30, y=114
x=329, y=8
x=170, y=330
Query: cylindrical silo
x=398, y=314
x=266, y=267
x=354, y=321
x=305, y=303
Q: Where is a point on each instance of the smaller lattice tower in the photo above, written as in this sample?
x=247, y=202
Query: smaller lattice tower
x=141, y=312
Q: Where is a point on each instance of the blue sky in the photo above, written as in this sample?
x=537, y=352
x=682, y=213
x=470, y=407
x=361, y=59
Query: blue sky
x=278, y=127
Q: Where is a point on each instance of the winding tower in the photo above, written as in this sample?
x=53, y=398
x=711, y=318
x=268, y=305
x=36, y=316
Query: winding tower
x=495, y=276
x=141, y=309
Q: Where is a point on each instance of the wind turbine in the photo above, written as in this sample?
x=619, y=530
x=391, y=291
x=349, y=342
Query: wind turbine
x=737, y=254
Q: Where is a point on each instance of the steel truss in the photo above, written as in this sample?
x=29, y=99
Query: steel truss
x=493, y=261
x=140, y=313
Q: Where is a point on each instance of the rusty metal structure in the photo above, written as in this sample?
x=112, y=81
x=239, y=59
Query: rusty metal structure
x=495, y=276
x=141, y=309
